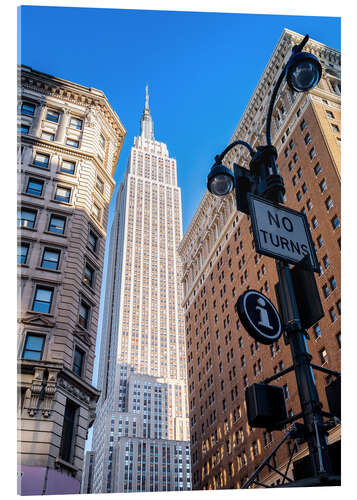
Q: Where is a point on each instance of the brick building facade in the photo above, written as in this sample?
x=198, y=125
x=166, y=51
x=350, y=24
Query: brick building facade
x=220, y=263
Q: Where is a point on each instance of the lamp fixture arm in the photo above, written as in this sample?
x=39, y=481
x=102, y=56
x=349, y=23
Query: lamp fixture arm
x=219, y=158
x=295, y=50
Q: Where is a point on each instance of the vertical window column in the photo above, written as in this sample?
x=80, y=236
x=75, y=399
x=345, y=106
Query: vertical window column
x=37, y=119
x=62, y=127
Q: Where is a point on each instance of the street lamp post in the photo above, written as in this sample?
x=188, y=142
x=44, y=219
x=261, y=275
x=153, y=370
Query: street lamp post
x=302, y=72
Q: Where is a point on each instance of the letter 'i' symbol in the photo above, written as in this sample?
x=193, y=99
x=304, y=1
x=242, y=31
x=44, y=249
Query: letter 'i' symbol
x=264, y=319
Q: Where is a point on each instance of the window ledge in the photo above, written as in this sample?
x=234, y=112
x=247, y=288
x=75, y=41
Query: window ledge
x=55, y=234
x=38, y=166
x=33, y=195
x=60, y=463
x=34, y=229
x=58, y=271
x=67, y=203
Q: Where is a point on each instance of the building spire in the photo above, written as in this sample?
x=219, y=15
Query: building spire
x=146, y=123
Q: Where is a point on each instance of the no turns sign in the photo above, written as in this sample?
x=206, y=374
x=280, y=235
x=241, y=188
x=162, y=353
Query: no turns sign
x=281, y=232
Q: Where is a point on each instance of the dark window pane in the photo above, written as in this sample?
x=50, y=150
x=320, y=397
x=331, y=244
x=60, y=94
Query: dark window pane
x=83, y=314
x=76, y=123
x=68, y=167
x=67, y=431
x=34, y=187
x=28, y=109
x=33, y=347
x=22, y=252
x=78, y=361
x=41, y=160
x=57, y=224
x=88, y=275
x=42, y=300
x=63, y=194
x=50, y=259
x=26, y=218
x=93, y=241
x=23, y=129
x=52, y=116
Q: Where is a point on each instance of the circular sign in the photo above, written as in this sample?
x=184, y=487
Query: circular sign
x=259, y=317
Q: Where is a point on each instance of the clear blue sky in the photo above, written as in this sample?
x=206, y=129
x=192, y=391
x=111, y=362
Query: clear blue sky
x=201, y=69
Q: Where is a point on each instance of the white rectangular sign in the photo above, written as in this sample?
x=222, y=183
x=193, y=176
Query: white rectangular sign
x=281, y=232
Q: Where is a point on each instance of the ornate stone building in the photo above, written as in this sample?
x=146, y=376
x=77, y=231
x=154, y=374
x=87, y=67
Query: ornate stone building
x=220, y=263
x=68, y=146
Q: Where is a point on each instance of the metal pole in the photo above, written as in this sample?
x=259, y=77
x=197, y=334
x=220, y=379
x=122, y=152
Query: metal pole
x=309, y=399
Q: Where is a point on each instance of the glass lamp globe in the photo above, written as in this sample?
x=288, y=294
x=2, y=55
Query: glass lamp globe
x=303, y=72
x=220, y=180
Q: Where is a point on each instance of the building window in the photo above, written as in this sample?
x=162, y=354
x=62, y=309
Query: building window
x=96, y=211
x=50, y=258
x=326, y=261
x=317, y=169
x=33, y=346
x=68, y=167
x=312, y=153
x=23, y=129
x=296, y=158
x=299, y=172
x=48, y=136
x=34, y=187
x=43, y=299
x=63, y=194
x=28, y=109
x=286, y=152
x=314, y=222
x=294, y=180
x=302, y=125
x=68, y=428
x=99, y=184
x=332, y=314
x=307, y=139
x=84, y=311
x=330, y=114
x=323, y=355
x=309, y=205
x=290, y=166
x=22, y=253
x=317, y=331
x=88, y=277
x=338, y=305
x=102, y=140
x=57, y=224
x=26, y=218
x=338, y=338
x=298, y=196
x=320, y=241
x=41, y=160
x=78, y=361
x=329, y=203
x=72, y=142
x=93, y=241
x=52, y=116
x=335, y=222
x=75, y=123
x=333, y=283
x=304, y=188
x=291, y=144
x=335, y=127
x=325, y=290
x=286, y=391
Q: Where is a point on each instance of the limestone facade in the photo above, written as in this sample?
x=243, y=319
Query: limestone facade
x=69, y=142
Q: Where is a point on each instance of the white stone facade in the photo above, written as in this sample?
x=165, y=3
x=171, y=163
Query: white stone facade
x=69, y=143
x=143, y=328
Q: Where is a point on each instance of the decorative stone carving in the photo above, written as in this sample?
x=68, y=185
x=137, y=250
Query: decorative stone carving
x=50, y=390
x=37, y=320
x=36, y=388
x=83, y=336
x=67, y=386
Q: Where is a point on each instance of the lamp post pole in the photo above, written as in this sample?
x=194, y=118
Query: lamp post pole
x=303, y=72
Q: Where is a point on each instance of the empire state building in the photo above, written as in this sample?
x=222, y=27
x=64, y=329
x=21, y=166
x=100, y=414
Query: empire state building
x=141, y=434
